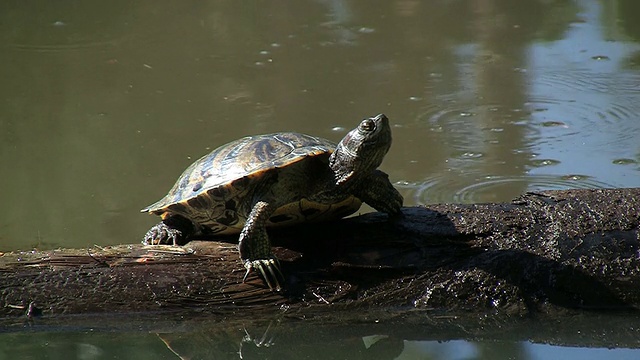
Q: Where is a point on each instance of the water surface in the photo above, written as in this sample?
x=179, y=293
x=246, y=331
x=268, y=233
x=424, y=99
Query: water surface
x=105, y=104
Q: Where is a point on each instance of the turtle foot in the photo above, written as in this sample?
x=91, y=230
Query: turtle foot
x=162, y=234
x=269, y=269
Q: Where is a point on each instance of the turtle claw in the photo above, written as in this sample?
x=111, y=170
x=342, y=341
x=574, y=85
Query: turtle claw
x=162, y=234
x=269, y=269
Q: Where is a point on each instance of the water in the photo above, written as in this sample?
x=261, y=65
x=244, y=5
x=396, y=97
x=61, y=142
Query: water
x=103, y=105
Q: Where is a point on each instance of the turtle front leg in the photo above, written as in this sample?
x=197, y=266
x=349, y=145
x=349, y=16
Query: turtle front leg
x=174, y=230
x=377, y=191
x=255, y=247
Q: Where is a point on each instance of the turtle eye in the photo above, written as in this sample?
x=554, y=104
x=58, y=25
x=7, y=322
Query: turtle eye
x=367, y=125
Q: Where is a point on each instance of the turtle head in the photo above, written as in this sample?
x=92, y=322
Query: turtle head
x=361, y=151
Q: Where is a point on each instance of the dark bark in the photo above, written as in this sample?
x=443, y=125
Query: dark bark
x=543, y=253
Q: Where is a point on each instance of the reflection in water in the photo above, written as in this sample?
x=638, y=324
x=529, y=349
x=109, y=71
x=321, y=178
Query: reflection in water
x=360, y=341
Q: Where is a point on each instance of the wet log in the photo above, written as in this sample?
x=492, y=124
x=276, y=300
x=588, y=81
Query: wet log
x=543, y=253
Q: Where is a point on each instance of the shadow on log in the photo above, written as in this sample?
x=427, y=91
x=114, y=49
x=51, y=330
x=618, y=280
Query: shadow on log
x=544, y=253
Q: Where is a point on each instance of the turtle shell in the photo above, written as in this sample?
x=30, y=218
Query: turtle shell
x=215, y=190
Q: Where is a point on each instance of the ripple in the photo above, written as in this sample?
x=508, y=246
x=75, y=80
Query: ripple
x=69, y=27
x=63, y=47
x=607, y=119
x=544, y=162
x=468, y=155
x=465, y=121
x=553, y=124
x=471, y=189
x=625, y=161
x=582, y=80
x=586, y=98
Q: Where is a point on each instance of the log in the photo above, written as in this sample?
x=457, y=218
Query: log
x=544, y=253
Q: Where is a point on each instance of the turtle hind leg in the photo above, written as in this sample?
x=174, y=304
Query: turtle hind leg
x=255, y=247
x=377, y=191
x=174, y=230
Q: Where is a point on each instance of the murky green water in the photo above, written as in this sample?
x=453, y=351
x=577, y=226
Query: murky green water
x=103, y=104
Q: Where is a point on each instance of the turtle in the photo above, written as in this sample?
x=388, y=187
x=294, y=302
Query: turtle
x=261, y=181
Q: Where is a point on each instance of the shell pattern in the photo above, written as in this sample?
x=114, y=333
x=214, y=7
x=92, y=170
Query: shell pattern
x=216, y=191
